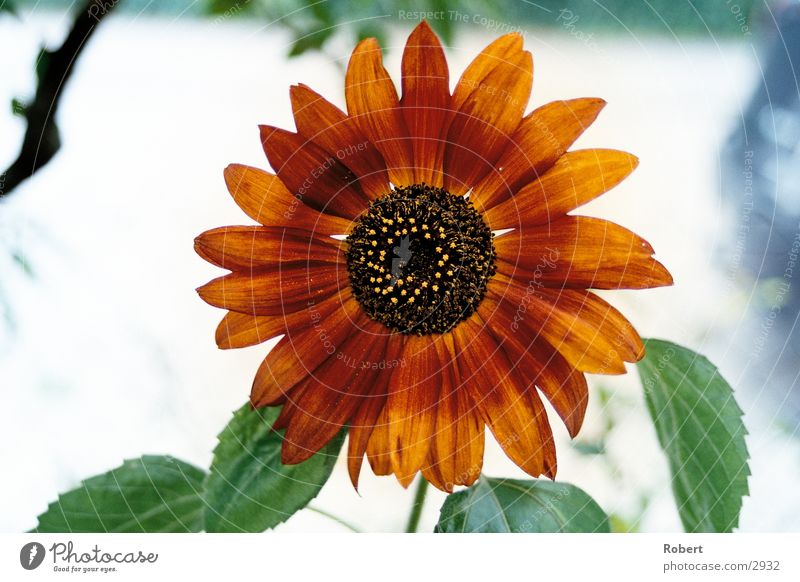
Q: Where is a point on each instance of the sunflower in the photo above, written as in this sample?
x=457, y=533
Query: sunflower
x=417, y=257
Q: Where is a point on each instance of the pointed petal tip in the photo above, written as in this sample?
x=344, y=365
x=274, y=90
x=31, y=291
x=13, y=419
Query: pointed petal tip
x=368, y=44
x=405, y=480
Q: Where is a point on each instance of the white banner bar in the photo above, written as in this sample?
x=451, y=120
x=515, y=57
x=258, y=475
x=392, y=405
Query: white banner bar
x=389, y=557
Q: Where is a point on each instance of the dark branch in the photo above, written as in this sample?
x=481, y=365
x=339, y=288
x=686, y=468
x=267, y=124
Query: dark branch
x=42, y=141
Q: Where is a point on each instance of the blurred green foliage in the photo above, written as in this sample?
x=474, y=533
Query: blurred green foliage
x=313, y=22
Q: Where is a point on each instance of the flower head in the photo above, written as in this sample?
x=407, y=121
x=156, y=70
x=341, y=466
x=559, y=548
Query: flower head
x=456, y=295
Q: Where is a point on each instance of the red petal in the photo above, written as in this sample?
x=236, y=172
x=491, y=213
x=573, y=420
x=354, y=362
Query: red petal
x=249, y=247
x=541, y=138
x=313, y=175
x=265, y=199
x=426, y=103
x=329, y=127
x=514, y=414
x=580, y=252
x=372, y=101
x=411, y=406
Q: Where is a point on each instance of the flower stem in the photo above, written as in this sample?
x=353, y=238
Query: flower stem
x=338, y=520
x=416, y=509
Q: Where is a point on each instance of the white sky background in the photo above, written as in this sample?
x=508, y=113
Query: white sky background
x=113, y=354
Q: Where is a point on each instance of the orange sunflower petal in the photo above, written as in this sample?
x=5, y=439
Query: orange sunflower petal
x=334, y=392
x=426, y=103
x=576, y=178
x=592, y=335
x=580, y=252
x=265, y=199
x=515, y=415
x=372, y=101
x=501, y=50
x=240, y=330
x=365, y=419
x=541, y=138
x=482, y=127
x=311, y=174
x=330, y=128
x=250, y=247
x=539, y=363
x=411, y=406
x=301, y=351
x=274, y=290
x=379, y=445
x=456, y=451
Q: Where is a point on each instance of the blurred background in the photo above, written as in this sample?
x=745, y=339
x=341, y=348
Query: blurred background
x=106, y=352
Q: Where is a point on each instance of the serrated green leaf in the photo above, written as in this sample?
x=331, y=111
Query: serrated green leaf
x=511, y=505
x=248, y=488
x=699, y=425
x=150, y=494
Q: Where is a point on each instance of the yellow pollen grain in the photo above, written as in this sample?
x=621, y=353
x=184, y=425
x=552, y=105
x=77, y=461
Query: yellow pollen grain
x=435, y=287
x=427, y=235
x=445, y=257
x=449, y=273
x=403, y=292
x=440, y=263
x=374, y=243
x=417, y=291
x=377, y=289
x=411, y=300
x=394, y=299
x=438, y=275
x=412, y=220
x=390, y=240
x=413, y=229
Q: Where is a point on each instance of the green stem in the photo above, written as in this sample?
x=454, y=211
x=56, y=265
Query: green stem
x=416, y=509
x=338, y=520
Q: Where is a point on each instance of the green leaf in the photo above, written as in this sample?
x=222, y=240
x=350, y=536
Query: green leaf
x=511, y=505
x=312, y=40
x=700, y=428
x=8, y=6
x=18, y=107
x=150, y=494
x=248, y=488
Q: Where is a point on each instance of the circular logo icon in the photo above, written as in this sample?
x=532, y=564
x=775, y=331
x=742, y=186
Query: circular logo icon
x=31, y=555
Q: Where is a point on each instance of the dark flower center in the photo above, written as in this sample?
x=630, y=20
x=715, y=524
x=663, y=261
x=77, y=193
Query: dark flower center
x=419, y=260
